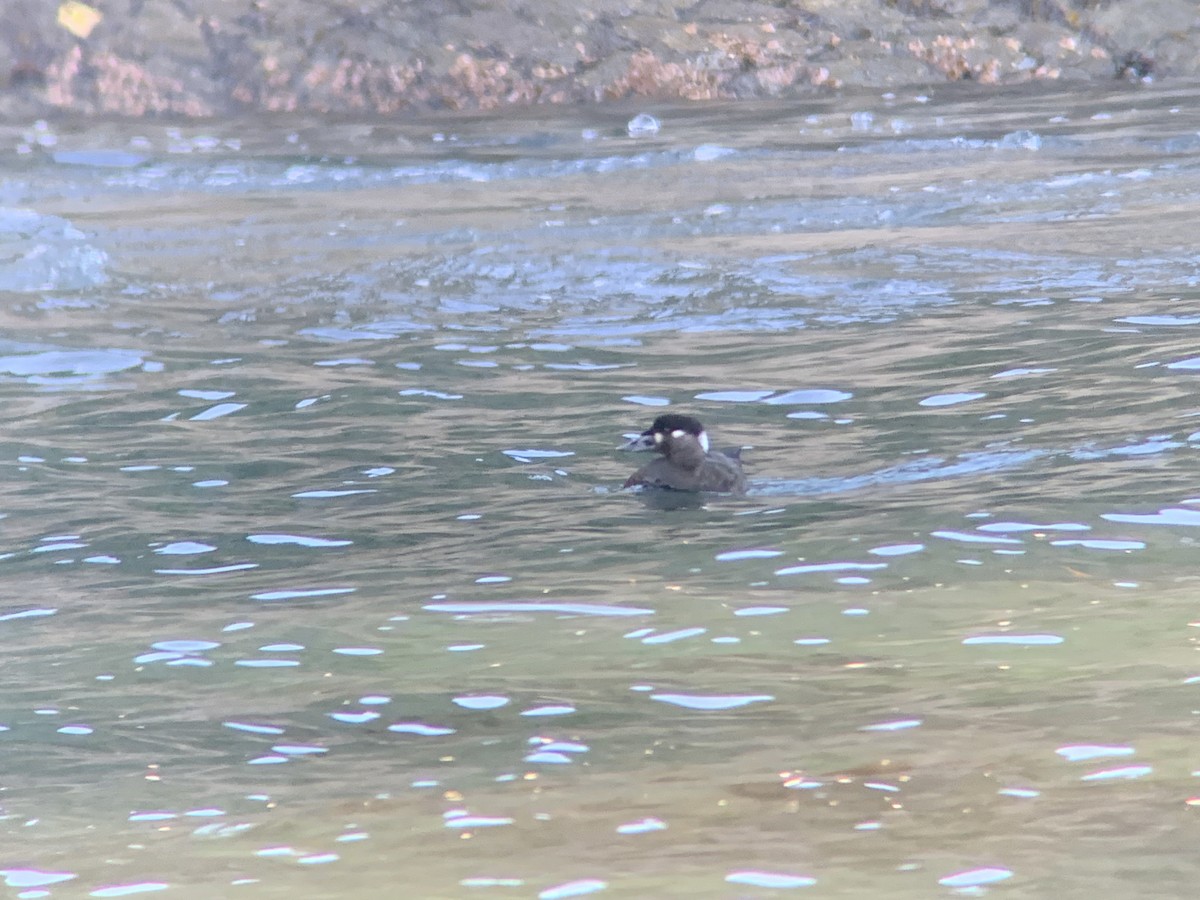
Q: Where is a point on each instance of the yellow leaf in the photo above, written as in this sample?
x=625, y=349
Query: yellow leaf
x=78, y=18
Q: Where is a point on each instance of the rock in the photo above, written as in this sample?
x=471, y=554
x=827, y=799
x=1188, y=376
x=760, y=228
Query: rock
x=382, y=57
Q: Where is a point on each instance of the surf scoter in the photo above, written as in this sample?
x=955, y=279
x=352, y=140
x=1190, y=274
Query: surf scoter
x=686, y=463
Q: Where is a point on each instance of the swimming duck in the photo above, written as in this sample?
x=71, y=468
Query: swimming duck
x=686, y=463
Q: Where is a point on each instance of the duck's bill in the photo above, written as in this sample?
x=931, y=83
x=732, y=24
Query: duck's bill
x=638, y=442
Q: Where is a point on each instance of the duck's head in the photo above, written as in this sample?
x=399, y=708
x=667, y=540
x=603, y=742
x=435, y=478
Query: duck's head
x=680, y=438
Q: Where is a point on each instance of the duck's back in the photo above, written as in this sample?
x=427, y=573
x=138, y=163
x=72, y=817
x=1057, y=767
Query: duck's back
x=718, y=472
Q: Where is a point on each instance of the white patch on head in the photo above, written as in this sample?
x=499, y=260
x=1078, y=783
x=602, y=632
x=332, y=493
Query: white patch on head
x=658, y=438
x=702, y=437
x=678, y=433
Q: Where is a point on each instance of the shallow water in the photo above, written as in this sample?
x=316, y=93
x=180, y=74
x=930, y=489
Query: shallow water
x=320, y=583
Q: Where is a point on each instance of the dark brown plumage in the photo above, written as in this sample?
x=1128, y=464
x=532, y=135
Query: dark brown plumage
x=686, y=463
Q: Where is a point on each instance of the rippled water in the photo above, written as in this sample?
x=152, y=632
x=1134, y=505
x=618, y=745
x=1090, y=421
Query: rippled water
x=319, y=581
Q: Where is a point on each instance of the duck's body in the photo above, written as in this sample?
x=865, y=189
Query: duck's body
x=686, y=463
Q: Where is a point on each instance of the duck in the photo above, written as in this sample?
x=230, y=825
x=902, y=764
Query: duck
x=686, y=462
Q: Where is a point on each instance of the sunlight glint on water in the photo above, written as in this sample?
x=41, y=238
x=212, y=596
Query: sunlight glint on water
x=321, y=580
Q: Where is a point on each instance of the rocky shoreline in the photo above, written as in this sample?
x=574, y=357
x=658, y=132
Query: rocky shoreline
x=182, y=59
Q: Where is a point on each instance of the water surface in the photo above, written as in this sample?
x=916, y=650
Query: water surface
x=319, y=577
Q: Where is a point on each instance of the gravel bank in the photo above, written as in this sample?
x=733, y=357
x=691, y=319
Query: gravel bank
x=387, y=57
